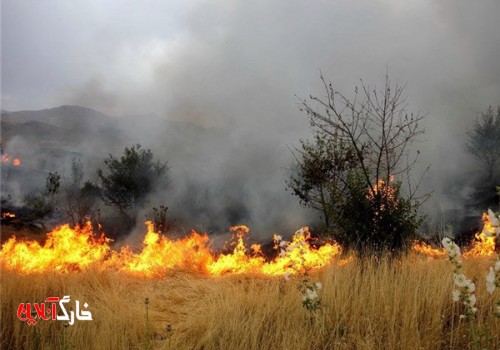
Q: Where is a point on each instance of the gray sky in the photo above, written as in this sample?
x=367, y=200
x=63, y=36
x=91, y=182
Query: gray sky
x=240, y=64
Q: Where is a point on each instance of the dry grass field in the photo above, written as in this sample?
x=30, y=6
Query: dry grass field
x=404, y=304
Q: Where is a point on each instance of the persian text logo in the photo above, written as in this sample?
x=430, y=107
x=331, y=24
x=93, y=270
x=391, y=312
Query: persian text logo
x=31, y=312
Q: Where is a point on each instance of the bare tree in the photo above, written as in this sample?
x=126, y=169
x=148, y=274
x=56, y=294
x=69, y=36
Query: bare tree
x=483, y=141
x=362, y=156
x=376, y=124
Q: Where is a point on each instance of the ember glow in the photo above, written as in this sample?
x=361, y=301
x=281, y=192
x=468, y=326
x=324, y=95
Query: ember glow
x=78, y=249
x=7, y=158
x=8, y=215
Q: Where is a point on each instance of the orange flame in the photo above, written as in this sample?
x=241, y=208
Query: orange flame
x=8, y=215
x=6, y=158
x=65, y=250
x=77, y=249
x=483, y=245
x=426, y=249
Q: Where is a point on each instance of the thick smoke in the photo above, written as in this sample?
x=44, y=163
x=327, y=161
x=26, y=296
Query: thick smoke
x=228, y=75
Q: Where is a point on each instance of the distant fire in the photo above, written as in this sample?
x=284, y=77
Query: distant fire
x=8, y=215
x=7, y=158
x=482, y=246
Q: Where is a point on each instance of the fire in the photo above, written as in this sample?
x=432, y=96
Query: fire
x=6, y=159
x=483, y=245
x=428, y=250
x=160, y=254
x=77, y=249
x=386, y=192
x=8, y=215
x=65, y=249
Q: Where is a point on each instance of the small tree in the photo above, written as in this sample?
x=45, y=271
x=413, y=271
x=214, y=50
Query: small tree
x=80, y=199
x=130, y=179
x=43, y=203
x=375, y=133
x=319, y=175
x=483, y=141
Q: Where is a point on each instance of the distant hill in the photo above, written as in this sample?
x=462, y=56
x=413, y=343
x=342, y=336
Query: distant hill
x=63, y=116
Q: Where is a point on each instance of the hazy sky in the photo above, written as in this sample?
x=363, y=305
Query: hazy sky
x=241, y=64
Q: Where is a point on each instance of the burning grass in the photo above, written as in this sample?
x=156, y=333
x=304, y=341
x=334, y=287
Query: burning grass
x=197, y=299
x=404, y=304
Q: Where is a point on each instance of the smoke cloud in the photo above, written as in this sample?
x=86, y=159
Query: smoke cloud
x=226, y=76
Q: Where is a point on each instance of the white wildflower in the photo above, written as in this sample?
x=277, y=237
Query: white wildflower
x=460, y=280
x=493, y=219
x=287, y=275
x=454, y=250
x=455, y=295
x=319, y=285
x=471, y=300
x=462, y=317
x=471, y=287
x=490, y=277
x=490, y=281
x=311, y=294
x=446, y=242
x=474, y=310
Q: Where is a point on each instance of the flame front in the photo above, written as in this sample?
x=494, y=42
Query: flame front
x=483, y=245
x=426, y=249
x=65, y=249
x=77, y=249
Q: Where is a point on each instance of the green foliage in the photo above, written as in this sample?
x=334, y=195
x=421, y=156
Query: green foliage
x=52, y=184
x=375, y=221
x=42, y=204
x=130, y=178
x=320, y=172
x=39, y=205
x=483, y=141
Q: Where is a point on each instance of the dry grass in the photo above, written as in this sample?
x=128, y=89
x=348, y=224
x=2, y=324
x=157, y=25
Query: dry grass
x=399, y=305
